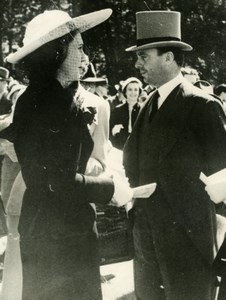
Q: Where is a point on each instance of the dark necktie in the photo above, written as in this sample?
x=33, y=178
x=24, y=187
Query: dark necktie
x=153, y=107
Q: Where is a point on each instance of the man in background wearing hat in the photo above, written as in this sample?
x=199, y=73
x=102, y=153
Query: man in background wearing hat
x=179, y=133
x=97, y=86
x=5, y=105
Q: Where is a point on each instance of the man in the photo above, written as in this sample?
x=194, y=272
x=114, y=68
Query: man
x=97, y=86
x=178, y=134
x=99, y=129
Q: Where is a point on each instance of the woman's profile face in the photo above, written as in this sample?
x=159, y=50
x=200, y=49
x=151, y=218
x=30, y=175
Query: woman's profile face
x=132, y=92
x=70, y=67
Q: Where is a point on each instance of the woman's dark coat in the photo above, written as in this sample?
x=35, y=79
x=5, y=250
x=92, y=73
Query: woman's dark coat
x=120, y=116
x=53, y=145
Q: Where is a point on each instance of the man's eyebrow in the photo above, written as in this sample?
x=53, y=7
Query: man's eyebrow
x=140, y=53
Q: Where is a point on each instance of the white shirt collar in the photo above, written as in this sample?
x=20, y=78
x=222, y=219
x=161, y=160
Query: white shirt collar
x=167, y=88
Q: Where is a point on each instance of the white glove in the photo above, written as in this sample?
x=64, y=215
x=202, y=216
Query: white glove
x=123, y=193
x=116, y=129
x=217, y=191
x=94, y=167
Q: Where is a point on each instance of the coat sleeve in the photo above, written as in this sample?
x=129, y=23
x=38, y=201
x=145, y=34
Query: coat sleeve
x=211, y=131
x=94, y=189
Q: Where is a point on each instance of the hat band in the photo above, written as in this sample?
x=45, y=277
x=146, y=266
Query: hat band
x=142, y=42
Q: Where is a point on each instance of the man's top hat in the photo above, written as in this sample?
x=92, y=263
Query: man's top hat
x=159, y=29
x=4, y=74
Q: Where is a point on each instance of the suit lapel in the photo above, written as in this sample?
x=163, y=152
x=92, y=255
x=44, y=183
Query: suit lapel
x=169, y=122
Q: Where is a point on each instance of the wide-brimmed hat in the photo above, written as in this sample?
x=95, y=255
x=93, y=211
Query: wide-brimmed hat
x=129, y=80
x=159, y=29
x=54, y=24
x=96, y=80
x=4, y=74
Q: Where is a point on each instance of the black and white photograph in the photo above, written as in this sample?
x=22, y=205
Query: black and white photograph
x=112, y=150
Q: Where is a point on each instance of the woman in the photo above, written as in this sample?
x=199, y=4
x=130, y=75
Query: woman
x=124, y=115
x=52, y=143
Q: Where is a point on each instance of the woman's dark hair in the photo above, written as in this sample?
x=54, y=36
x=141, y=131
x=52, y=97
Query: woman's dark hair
x=178, y=54
x=124, y=91
x=43, y=63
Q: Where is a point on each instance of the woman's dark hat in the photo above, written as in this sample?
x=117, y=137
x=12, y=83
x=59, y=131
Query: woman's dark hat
x=159, y=29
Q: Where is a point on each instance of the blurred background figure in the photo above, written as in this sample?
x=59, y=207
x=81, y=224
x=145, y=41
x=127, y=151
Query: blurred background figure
x=97, y=86
x=220, y=91
x=118, y=98
x=190, y=74
x=143, y=96
x=124, y=115
x=10, y=166
x=5, y=105
x=99, y=129
x=204, y=85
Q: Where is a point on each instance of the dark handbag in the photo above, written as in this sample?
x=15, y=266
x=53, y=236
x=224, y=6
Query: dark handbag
x=115, y=235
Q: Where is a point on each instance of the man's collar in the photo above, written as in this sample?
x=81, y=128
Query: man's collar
x=167, y=88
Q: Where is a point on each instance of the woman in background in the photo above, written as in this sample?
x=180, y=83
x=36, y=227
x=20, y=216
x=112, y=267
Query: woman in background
x=124, y=115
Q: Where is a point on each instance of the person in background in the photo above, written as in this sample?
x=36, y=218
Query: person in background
x=97, y=86
x=204, y=85
x=10, y=166
x=99, y=129
x=118, y=98
x=124, y=115
x=143, y=96
x=190, y=74
x=179, y=133
x=52, y=142
x=220, y=91
x=5, y=105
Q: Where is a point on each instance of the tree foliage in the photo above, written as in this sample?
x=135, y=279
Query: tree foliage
x=203, y=26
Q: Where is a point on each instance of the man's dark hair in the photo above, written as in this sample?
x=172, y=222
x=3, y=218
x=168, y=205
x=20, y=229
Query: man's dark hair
x=43, y=63
x=178, y=54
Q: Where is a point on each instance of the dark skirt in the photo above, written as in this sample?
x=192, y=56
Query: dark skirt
x=61, y=269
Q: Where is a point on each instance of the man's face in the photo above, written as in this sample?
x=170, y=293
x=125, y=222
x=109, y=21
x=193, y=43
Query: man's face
x=70, y=68
x=151, y=66
x=102, y=90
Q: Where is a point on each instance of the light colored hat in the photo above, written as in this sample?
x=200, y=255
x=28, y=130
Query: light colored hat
x=97, y=80
x=54, y=24
x=159, y=29
x=129, y=80
x=4, y=74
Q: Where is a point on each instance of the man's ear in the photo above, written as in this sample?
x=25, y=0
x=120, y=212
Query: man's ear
x=169, y=57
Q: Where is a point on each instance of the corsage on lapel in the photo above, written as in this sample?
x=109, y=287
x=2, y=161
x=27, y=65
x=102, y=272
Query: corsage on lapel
x=87, y=115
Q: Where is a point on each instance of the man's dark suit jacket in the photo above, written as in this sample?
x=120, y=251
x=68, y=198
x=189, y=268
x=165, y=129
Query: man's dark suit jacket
x=186, y=137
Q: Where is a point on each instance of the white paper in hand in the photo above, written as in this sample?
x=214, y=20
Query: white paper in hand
x=144, y=191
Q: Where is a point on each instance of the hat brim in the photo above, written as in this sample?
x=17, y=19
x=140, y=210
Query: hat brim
x=181, y=45
x=81, y=24
x=94, y=80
